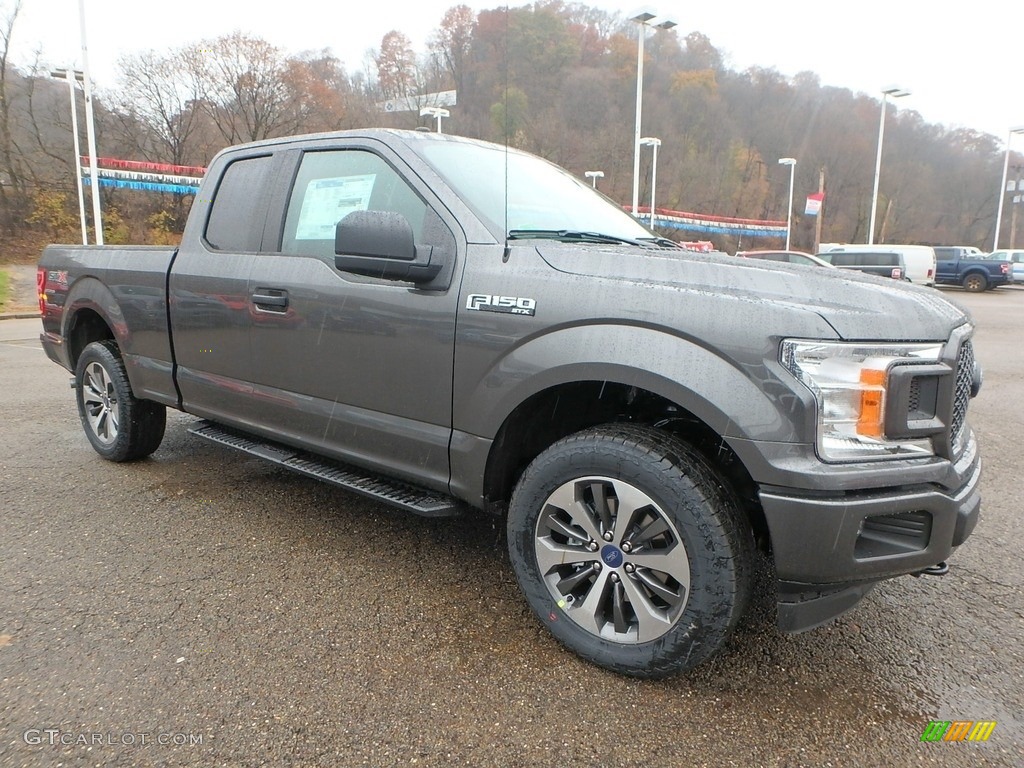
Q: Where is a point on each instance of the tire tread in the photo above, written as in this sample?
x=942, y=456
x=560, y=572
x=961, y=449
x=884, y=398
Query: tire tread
x=142, y=422
x=677, y=462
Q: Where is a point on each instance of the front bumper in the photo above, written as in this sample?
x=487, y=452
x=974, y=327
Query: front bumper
x=830, y=550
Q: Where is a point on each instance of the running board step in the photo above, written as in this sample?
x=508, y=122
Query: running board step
x=394, y=492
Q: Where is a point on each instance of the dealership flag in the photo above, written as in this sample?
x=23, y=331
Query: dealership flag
x=814, y=204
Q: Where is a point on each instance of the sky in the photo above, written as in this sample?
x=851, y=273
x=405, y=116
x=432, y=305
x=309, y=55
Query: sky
x=961, y=62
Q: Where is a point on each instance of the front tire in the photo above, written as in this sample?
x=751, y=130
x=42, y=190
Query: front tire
x=119, y=426
x=630, y=549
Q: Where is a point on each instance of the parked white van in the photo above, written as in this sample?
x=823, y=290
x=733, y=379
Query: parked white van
x=920, y=259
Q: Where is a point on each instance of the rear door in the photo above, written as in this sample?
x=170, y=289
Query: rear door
x=355, y=367
x=946, y=263
x=208, y=290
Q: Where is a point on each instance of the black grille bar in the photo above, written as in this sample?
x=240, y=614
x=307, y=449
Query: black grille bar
x=962, y=395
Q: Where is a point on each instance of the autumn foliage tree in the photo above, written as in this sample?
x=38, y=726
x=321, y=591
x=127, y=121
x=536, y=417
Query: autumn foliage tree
x=396, y=66
x=557, y=78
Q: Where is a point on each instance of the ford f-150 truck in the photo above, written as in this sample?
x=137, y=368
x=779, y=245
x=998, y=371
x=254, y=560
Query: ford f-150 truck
x=448, y=325
x=966, y=266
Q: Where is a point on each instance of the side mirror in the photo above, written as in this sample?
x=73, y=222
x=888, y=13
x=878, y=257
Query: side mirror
x=381, y=244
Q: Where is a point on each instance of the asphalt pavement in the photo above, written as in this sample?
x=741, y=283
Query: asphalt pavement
x=202, y=608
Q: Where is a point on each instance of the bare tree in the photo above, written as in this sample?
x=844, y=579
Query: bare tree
x=12, y=200
x=161, y=93
x=243, y=80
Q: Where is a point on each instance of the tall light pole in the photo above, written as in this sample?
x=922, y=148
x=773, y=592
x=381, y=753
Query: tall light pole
x=72, y=75
x=643, y=18
x=90, y=127
x=594, y=176
x=791, y=162
x=437, y=112
x=654, y=143
x=896, y=92
x=1014, y=186
x=1002, y=184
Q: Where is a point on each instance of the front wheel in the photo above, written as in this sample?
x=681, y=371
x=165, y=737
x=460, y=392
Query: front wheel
x=975, y=283
x=630, y=549
x=120, y=426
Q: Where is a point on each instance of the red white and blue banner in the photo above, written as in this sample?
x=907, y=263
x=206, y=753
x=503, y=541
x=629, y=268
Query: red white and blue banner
x=143, y=186
x=814, y=202
x=138, y=165
x=145, y=176
x=717, y=225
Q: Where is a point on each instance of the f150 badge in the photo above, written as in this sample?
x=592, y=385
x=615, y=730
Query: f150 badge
x=510, y=305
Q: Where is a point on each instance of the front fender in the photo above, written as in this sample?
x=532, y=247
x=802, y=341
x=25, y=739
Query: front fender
x=744, y=395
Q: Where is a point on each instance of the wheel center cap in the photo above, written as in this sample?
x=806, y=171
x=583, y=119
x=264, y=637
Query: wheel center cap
x=611, y=556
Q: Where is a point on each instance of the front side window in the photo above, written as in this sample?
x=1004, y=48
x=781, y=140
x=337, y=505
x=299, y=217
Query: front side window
x=332, y=184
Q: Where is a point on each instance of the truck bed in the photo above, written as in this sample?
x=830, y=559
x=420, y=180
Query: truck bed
x=127, y=285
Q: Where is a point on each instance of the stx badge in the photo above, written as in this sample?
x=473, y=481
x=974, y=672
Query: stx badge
x=509, y=305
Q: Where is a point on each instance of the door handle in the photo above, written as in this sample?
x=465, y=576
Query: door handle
x=270, y=297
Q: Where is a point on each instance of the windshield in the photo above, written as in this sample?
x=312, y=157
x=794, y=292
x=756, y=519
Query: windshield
x=541, y=197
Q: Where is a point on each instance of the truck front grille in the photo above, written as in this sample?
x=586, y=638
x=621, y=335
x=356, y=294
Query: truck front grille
x=962, y=395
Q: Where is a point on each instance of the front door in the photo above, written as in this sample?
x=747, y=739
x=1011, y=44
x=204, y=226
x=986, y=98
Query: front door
x=355, y=367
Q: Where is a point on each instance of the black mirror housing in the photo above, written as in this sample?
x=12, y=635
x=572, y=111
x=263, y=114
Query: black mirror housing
x=381, y=244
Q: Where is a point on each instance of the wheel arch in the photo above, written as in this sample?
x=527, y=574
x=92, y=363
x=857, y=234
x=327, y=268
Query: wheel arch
x=91, y=313
x=569, y=407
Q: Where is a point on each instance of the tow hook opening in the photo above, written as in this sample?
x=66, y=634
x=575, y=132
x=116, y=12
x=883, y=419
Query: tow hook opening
x=939, y=569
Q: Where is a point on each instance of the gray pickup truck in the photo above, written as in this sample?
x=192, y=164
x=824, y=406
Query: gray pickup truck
x=448, y=325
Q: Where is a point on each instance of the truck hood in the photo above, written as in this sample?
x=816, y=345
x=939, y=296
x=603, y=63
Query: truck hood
x=857, y=306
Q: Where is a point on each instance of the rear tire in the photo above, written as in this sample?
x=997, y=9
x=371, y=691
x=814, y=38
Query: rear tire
x=119, y=426
x=975, y=283
x=630, y=549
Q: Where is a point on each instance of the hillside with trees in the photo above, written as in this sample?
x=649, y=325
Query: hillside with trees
x=554, y=78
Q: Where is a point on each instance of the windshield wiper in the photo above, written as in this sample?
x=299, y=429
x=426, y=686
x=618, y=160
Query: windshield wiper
x=572, y=235
x=661, y=242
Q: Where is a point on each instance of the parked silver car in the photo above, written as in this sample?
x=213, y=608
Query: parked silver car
x=1016, y=259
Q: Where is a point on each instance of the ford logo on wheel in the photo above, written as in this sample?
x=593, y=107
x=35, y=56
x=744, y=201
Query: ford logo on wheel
x=611, y=555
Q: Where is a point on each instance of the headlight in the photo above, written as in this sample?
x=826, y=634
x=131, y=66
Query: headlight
x=850, y=381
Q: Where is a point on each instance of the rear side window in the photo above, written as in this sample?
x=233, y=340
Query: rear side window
x=240, y=206
x=865, y=259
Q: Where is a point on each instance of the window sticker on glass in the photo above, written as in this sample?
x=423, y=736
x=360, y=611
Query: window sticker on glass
x=328, y=201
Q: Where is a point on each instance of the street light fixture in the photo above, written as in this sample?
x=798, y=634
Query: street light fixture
x=791, y=162
x=1002, y=184
x=71, y=76
x=594, y=176
x=643, y=17
x=437, y=112
x=896, y=92
x=650, y=141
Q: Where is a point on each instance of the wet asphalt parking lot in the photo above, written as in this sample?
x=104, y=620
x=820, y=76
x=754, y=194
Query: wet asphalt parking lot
x=202, y=608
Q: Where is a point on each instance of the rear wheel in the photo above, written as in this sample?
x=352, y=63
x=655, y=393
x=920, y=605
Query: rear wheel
x=975, y=283
x=630, y=549
x=120, y=426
